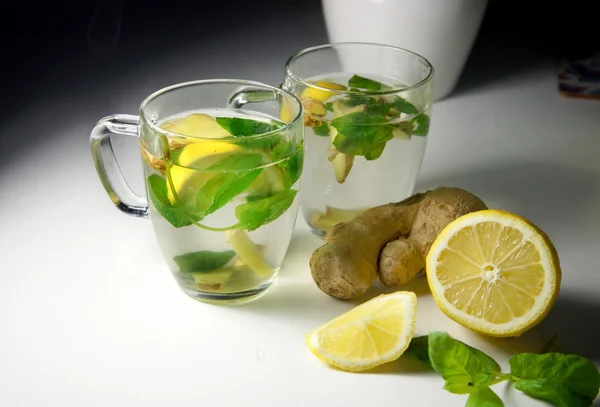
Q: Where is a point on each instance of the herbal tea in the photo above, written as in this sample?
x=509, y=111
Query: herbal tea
x=356, y=141
x=223, y=186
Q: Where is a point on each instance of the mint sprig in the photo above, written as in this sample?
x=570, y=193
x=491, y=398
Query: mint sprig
x=365, y=83
x=563, y=380
x=203, y=261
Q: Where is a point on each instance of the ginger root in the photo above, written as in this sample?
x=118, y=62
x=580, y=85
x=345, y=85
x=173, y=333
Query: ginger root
x=388, y=241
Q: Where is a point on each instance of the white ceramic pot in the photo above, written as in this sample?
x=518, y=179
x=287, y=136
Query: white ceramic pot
x=443, y=31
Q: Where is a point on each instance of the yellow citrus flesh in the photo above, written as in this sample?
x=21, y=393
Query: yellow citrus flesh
x=494, y=272
x=187, y=180
x=197, y=125
x=375, y=332
x=321, y=94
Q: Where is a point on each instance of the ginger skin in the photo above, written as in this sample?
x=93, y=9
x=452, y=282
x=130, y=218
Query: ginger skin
x=388, y=241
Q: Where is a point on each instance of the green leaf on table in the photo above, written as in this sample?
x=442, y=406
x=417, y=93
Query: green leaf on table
x=239, y=127
x=419, y=348
x=564, y=380
x=365, y=83
x=203, y=261
x=484, y=397
x=236, y=177
x=322, y=130
x=404, y=106
x=257, y=213
x=289, y=158
x=157, y=189
x=421, y=125
x=463, y=367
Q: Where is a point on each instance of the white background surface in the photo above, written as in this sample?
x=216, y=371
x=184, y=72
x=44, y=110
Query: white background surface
x=90, y=315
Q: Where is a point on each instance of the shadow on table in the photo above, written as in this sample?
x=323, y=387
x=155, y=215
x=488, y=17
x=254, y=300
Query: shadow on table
x=536, y=190
x=573, y=325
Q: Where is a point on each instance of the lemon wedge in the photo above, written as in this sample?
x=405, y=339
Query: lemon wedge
x=494, y=272
x=197, y=125
x=187, y=180
x=321, y=94
x=375, y=332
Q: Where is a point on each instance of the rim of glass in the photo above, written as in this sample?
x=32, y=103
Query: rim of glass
x=164, y=90
x=304, y=51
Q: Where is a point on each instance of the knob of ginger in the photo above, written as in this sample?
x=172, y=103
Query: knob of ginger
x=389, y=241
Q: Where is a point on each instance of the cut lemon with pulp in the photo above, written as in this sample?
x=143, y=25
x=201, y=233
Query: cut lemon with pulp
x=494, y=272
x=187, y=181
x=375, y=332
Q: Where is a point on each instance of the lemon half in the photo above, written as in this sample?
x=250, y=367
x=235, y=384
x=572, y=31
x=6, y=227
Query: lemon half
x=494, y=272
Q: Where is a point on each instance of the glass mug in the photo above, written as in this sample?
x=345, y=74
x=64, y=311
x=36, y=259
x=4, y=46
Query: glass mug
x=367, y=114
x=222, y=161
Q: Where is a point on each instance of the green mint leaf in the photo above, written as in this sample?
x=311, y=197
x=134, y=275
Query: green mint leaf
x=157, y=189
x=175, y=155
x=289, y=159
x=484, y=397
x=203, y=261
x=359, y=125
x=365, y=83
x=373, y=105
x=370, y=146
x=322, y=130
x=240, y=127
x=356, y=100
x=562, y=379
x=223, y=187
x=257, y=213
x=419, y=348
x=463, y=367
x=421, y=123
x=329, y=106
x=404, y=106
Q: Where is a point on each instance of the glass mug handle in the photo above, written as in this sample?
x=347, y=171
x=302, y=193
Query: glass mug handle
x=107, y=167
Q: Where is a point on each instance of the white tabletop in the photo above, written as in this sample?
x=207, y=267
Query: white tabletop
x=90, y=315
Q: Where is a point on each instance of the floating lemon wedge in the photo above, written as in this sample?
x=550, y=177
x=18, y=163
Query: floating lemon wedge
x=494, y=272
x=375, y=332
x=321, y=94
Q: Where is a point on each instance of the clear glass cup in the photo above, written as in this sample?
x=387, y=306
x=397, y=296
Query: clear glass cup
x=222, y=161
x=367, y=115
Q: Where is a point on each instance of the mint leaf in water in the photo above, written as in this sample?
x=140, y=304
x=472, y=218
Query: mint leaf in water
x=289, y=161
x=240, y=127
x=362, y=133
x=463, y=367
x=359, y=125
x=329, y=106
x=365, y=83
x=157, y=189
x=223, y=187
x=562, y=379
x=421, y=123
x=175, y=155
x=484, y=397
x=203, y=261
x=257, y=213
x=404, y=106
x=419, y=348
x=322, y=130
